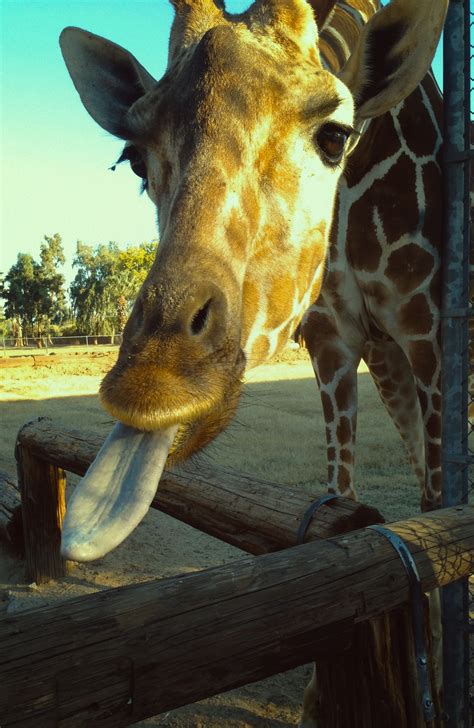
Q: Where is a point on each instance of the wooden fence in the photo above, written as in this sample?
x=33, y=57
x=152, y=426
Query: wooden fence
x=125, y=654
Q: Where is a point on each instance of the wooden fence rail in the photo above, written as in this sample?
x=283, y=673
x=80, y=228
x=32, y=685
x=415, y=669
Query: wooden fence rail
x=254, y=515
x=122, y=655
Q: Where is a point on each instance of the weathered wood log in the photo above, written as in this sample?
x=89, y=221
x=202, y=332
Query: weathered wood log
x=43, y=505
x=254, y=515
x=11, y=526
x=122, y=655
x=376, y=670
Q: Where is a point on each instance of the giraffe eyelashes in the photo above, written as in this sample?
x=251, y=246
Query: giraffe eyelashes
x=131, y=154
x=331, y=140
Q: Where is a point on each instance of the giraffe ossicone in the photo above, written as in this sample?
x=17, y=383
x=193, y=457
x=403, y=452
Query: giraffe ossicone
x=243, y=146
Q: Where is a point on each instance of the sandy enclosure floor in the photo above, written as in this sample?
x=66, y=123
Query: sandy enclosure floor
x=64, y=388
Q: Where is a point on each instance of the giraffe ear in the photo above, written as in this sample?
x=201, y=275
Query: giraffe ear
x=322, y=11
x=394, y=52
x=107, y=77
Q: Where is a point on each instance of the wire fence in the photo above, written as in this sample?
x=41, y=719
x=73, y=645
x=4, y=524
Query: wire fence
x=28, y=344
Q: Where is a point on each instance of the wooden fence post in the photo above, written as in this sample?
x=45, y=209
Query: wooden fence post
x=43, y=501
x=373, y=681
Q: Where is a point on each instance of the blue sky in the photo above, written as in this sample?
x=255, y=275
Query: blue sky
x=55, y=158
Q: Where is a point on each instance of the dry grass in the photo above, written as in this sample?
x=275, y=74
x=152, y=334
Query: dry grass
x=279, y=435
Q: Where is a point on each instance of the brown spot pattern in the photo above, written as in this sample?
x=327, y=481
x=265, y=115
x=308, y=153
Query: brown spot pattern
x=423, y=360
x=344, y=391
x=328, y=408
x=260, y=349
x=280, y=300
x=381, y=141
x=343, y=479
x=344, y=430
x=433, y=455
x=395, y=198
x=318, y=327
x=346, y=456
x=422, y=144
x=433, y=426
x=408, y=267
x=423, y=400
x=415, y=316
x=330, y=360
x=433, y=214
x=434, y=96
x=363, y=247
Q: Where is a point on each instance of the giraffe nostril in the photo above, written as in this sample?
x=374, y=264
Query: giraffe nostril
x=200, y=318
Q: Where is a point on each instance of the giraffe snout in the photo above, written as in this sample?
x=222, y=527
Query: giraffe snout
x=179, y=359
x=204, y=316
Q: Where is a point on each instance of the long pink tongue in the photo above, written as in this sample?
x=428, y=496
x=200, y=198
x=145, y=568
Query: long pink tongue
x=115, y=493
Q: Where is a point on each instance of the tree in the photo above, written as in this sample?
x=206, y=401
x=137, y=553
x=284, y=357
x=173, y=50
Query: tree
x=53, y=298
x=106, y=284
x=34, y=292
x=21, y=293
x=138, y=260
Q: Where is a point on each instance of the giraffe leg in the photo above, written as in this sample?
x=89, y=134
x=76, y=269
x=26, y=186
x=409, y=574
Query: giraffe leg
x=394, y=380
x=309, y=716
x=424, y=358
x=393, y=376
x=335, y=364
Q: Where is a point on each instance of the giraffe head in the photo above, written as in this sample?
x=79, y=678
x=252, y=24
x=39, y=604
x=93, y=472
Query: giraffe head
x=240, y=146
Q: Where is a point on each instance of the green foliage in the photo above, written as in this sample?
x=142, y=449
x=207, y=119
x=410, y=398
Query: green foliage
x=70, y=329
x=102, y=293
x=34, y=291
x=106, y=284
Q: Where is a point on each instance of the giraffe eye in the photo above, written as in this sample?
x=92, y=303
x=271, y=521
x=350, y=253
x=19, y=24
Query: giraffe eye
x=331, y=139
x=136, y=163
x=132, y=155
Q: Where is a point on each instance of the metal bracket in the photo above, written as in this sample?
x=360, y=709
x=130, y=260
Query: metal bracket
x=454, y=156
x=309, y=513
x=416, y=595
x=466, y=312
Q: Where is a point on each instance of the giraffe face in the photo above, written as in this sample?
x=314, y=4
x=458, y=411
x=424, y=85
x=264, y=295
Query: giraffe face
x=241, y=146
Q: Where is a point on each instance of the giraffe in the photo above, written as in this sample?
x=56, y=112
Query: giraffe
x=381, y=296
x=292, y=183
x=275, y=136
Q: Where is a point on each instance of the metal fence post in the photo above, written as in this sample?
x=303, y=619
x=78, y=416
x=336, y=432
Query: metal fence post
x=455, y=338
